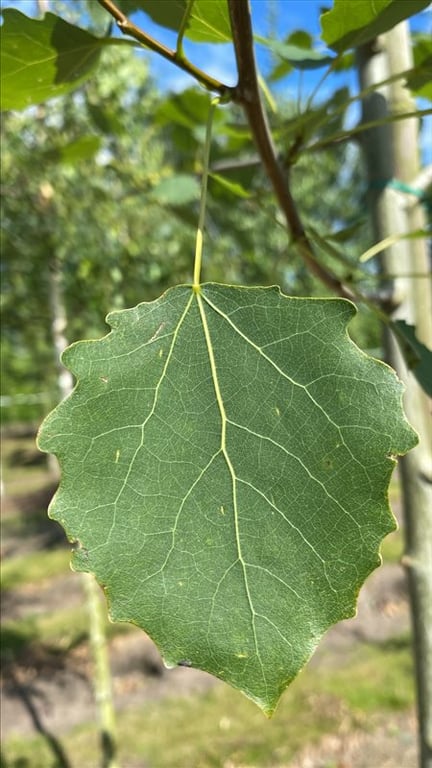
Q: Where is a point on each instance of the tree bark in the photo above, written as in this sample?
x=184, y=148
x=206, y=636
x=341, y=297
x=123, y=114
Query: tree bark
x=391, y=153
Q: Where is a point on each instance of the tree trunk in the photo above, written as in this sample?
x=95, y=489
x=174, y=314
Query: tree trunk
x=58, y=329
x=43, y=6
x=391, y=153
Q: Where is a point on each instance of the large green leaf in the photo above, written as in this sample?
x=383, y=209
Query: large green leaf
x=351, y=23
x=44, y=58
x=225, y=458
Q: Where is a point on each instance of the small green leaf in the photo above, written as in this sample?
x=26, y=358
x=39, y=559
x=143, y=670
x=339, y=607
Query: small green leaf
x=297, y=56
x=225, y=461
x=42, y=58
x=188, y=108
x=417, y=356
x=351, y=23
x=282, y=69
x=105, y=119
x=75, y=151
x=300, y=38
x=178, y=190
x=232, y=186
x=420, y=80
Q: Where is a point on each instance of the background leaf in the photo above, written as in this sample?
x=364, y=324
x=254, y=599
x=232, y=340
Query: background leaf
x=232, y=186
x=42, y=58
x=225, y=459
x=208, y=21
x=420, y=80
x=84, y=148
x=417, y=356
x=167, y=14
x=353, y=23
x=297, y=56
x=178, y=190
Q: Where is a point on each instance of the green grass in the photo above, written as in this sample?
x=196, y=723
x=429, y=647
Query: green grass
x=380, y=677
x=222, y=727
x=34, y=568
x=60, y=631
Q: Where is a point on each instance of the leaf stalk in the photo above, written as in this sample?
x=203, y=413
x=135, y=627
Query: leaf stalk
x=182, y=30
x=203, y=199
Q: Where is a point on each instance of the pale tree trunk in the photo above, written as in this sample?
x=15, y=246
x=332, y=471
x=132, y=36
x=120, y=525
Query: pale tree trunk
x=43, y=6
x=65, y=381
x=58, y=318
x=391, y=153
x=97, y=635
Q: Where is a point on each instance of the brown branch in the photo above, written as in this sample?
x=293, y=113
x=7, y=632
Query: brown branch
x=247, y=94
x=175, y=57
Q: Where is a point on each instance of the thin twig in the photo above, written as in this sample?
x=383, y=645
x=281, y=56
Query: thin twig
x=248, y=95
x=343, y=136
x=175, y=57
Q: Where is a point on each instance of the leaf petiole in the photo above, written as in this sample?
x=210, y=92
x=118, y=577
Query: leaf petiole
x=182, y=30
x=203, y=199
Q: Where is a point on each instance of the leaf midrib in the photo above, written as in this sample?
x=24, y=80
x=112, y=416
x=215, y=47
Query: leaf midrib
x=233, y=479
x=292, y=381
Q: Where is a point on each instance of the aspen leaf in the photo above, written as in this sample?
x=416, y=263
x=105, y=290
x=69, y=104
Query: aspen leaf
x=351, y=24
x=225, y=461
